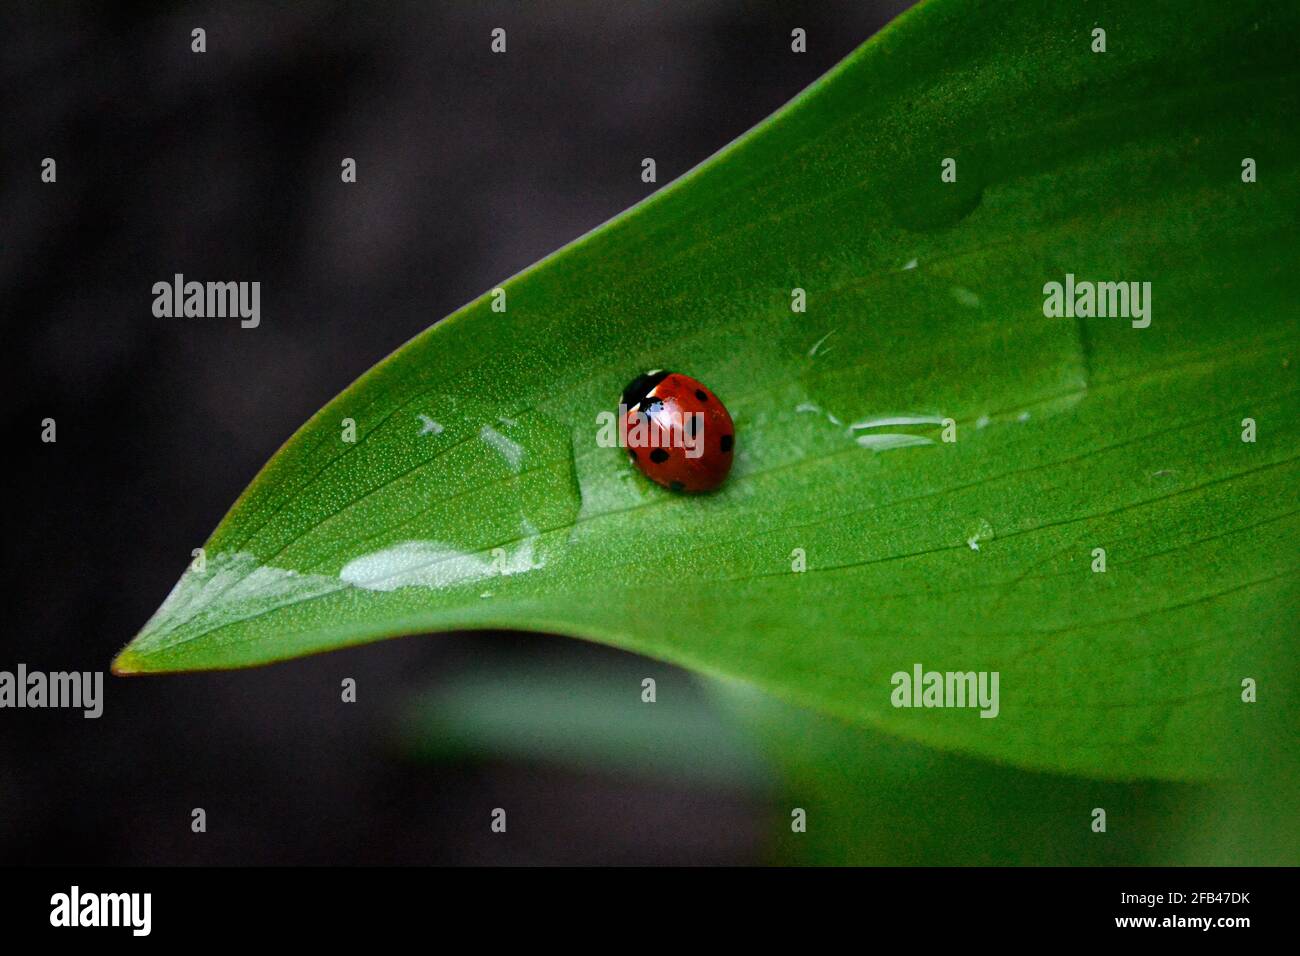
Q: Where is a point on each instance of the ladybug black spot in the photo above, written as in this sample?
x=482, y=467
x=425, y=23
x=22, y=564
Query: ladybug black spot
x=727, y=441
x=659, y=456
x=701, y=395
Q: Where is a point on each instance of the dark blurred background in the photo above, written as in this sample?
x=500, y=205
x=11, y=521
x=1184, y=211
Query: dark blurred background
x=225, y=166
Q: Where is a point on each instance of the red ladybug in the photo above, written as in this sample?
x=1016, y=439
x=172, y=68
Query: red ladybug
x=677, y=431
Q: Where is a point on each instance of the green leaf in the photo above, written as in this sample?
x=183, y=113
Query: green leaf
x=873, y=800
x=925, y=302
x=869, y=799
x=592, y=718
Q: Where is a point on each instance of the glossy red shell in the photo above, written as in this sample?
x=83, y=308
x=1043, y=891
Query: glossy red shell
x=692, y=447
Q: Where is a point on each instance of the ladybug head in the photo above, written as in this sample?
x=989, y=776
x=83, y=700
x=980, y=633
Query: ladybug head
x=641, y=386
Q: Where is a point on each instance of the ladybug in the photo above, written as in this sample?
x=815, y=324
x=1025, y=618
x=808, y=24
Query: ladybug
x=677, y=431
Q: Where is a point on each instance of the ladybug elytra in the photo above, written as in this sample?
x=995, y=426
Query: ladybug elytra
x=677, y=431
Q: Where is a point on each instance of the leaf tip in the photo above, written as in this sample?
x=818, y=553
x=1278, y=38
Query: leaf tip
x=128, y=663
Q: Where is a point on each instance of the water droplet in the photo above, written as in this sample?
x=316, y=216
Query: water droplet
x=888, y=441
x=982, y=532
x=427, y=564
x=818, y=344
x=509, y=486
x=804, y=407
x=879, y=421
x=233, y=587
x=921, y=202
x=511, y=451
